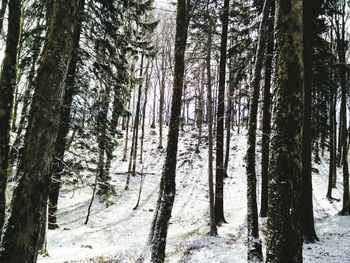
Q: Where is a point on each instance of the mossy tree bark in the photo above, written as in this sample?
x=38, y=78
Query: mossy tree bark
x=284, y=239
x=20, y=237
x=167, y=184
x=254, y=242
x=8, y=80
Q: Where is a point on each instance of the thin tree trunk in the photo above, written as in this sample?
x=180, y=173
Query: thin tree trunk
x=307, y=214
x=266, y=121
x=20, y=241
x=220, y=169
x=254, y=242
x=212, y=223
x=167, y=187
x=161, y=103
x=137, y=120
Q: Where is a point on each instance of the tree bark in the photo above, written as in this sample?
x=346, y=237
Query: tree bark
x=20, y=237
x=254, y=242
x=167, y=186
x=220, y=169
x=212, y=223
x=307, y=214
x=284, y=239
x=266, y=121
x=8, y=77
x=63, y=130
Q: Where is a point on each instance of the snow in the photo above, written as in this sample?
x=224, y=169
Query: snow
x=119, y=234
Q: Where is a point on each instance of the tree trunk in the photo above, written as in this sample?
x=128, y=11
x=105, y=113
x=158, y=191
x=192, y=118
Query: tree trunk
x=2, y=13
x=254, y=242
x=8, y=77
x=63, y=130
x=284, y=239
x=307, y=214
x=161, y=102
x=212, y=223
x=148, y=76
x=220, y=169
x=137, y=121
x=167, y=186
x=266, y=121
x=20, y=238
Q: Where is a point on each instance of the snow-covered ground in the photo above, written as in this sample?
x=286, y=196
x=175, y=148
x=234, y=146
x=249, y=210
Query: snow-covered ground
x=119, y=234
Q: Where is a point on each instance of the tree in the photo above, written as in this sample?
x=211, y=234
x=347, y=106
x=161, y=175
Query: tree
x=8, y=79
x=220, y=169
x=21, y=233
x=284, y=242
x=65, y=120
x=266, y=121
x=254, y=242
x=308, y=226
x=167, y=185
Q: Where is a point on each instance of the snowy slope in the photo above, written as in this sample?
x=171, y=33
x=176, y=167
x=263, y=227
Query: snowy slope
x=119, y=234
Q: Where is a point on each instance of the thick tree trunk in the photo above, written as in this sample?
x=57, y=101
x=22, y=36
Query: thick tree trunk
x=8, y=79
x=254, y=242
x=266, y=121
x=167, y=186
x=284, y=239
x=220, y=169
x=63, y=130
x=20, y=238
x=307, y=213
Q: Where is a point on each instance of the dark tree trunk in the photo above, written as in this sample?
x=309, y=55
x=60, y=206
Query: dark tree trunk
x=161, y=102
x=20, y=238
x=341, y=48
x=148, y=76
x=8, y=79
x=266, y=121
x=284, y=239
x=63, y=130
x=137, y=121
x=213, y=229
x=307, y=213
x=2, y=13
x=167, y=185
x=254, y=242
x=220, y=169
x=332, y=144
x=229, y=118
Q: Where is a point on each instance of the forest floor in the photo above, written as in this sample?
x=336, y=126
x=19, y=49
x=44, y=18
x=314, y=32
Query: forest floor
x=119, y=234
